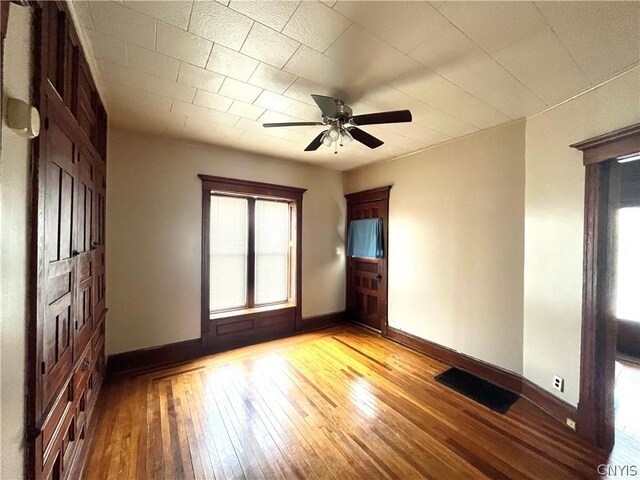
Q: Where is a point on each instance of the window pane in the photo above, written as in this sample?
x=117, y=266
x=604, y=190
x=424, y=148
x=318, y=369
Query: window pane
x=228, y=252
x=272, y=252
x=628, y=304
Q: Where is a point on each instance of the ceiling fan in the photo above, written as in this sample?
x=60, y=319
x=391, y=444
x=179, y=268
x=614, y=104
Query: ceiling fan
x=343, y=125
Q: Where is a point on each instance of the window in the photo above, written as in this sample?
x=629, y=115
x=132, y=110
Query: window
x=245, y=230
x=628, y=301
x=250, y=247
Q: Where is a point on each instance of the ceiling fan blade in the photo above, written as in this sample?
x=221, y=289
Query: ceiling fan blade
x=397, y=116
x=292, y=124
x=363, y=137
x=315, y=143
x=327, y=105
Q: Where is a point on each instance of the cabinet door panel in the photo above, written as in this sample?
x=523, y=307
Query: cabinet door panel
x=84, y=321
x=59, y=238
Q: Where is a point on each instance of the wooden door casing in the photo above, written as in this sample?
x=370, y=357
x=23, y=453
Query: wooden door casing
x=367, y=281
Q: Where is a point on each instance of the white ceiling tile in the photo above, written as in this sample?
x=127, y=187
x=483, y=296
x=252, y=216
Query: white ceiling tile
x=200, y=78
x=273, y=101
x=302, y=89
x=271, y=78
x=230, y=63
x=124, y=23
x=197, y=111
x=316, y=25
x=495, y=25
x=107, y=48
x=144, y=116
x=137, y=99
x=220, y=24
x=543, y=64
x=249, y=125
x=417, y=132
x=239, y=90
x=205, y=126
x=84, y=14
x=442, y=94
x=150, y=83
x=405, y=26
x=269, y=46
x=304, y=111
x=212, y=100
x=174, y=12
x=153, y=63
x=364, y=61
x=271, y=116
x=246, y=110
x=180, y=44
x=310, y=64
x=603, y=37
x=271, y=14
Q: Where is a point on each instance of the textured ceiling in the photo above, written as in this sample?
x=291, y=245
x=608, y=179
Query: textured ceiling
x=212, y=72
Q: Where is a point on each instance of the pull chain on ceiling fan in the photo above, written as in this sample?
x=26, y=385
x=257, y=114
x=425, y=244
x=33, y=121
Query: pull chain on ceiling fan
x=343, y=125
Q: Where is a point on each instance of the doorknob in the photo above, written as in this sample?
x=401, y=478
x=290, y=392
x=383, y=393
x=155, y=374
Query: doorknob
x=379, y=277
x=75, y=253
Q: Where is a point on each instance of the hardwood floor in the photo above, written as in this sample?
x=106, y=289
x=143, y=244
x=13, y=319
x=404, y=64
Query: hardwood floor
x=340, y=403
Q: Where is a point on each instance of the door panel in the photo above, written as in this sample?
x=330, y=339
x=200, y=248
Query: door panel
x=59, y=239
x=366, y=277
x=84, y=321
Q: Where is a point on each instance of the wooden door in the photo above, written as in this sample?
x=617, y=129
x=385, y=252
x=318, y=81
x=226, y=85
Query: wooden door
x=367, y=277
x=83, y=251
x=59, y=287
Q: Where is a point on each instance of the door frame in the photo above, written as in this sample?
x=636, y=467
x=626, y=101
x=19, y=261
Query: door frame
x=366, y=196
x=596, y=422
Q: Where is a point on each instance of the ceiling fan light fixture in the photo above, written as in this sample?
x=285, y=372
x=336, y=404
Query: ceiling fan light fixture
x=346, y=137
x=333, y=134
x=326, y=139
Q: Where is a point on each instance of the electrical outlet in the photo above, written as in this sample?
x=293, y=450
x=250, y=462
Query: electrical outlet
x=558, y=383
x=571, y=423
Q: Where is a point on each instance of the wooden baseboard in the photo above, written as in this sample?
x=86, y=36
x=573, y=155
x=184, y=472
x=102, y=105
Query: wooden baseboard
x=189, y=349
x=318, y=322
x=514, y=382
x=551, y=404
x=154, y=356
x=499, y=376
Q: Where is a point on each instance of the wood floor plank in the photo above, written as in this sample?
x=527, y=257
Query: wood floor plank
x=336, y=404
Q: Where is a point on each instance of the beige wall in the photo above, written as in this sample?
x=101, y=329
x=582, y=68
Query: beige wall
x=456, y=237
x=154, y=219
x=14, y=188
x=554, y=226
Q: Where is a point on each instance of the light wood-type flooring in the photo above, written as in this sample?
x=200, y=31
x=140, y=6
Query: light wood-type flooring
x=340, y=403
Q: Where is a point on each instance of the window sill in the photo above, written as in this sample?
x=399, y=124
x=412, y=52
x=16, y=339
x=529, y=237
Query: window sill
x=251, y=311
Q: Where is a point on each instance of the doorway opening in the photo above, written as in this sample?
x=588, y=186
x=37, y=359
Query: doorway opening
x=609, y=382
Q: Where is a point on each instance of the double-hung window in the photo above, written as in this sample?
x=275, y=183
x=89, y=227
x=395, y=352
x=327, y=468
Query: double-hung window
x=251, y=250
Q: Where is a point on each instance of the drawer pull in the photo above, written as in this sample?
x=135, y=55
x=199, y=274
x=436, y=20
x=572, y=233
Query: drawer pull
x=85, y=364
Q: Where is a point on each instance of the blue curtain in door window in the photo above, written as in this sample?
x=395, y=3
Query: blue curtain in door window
x=365, y=238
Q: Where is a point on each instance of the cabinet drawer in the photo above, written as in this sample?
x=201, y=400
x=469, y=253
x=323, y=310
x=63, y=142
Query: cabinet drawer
x=61, y=407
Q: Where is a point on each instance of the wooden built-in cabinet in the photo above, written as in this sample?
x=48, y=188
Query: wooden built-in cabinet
x=66, y=334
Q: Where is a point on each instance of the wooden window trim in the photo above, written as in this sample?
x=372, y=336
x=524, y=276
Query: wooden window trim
x=599, y=326
x=258, y=189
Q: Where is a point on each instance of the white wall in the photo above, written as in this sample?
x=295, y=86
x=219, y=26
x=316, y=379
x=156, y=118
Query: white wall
x=14, y=204
x=154, y=221
x=456, y=242
x=554, y=227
